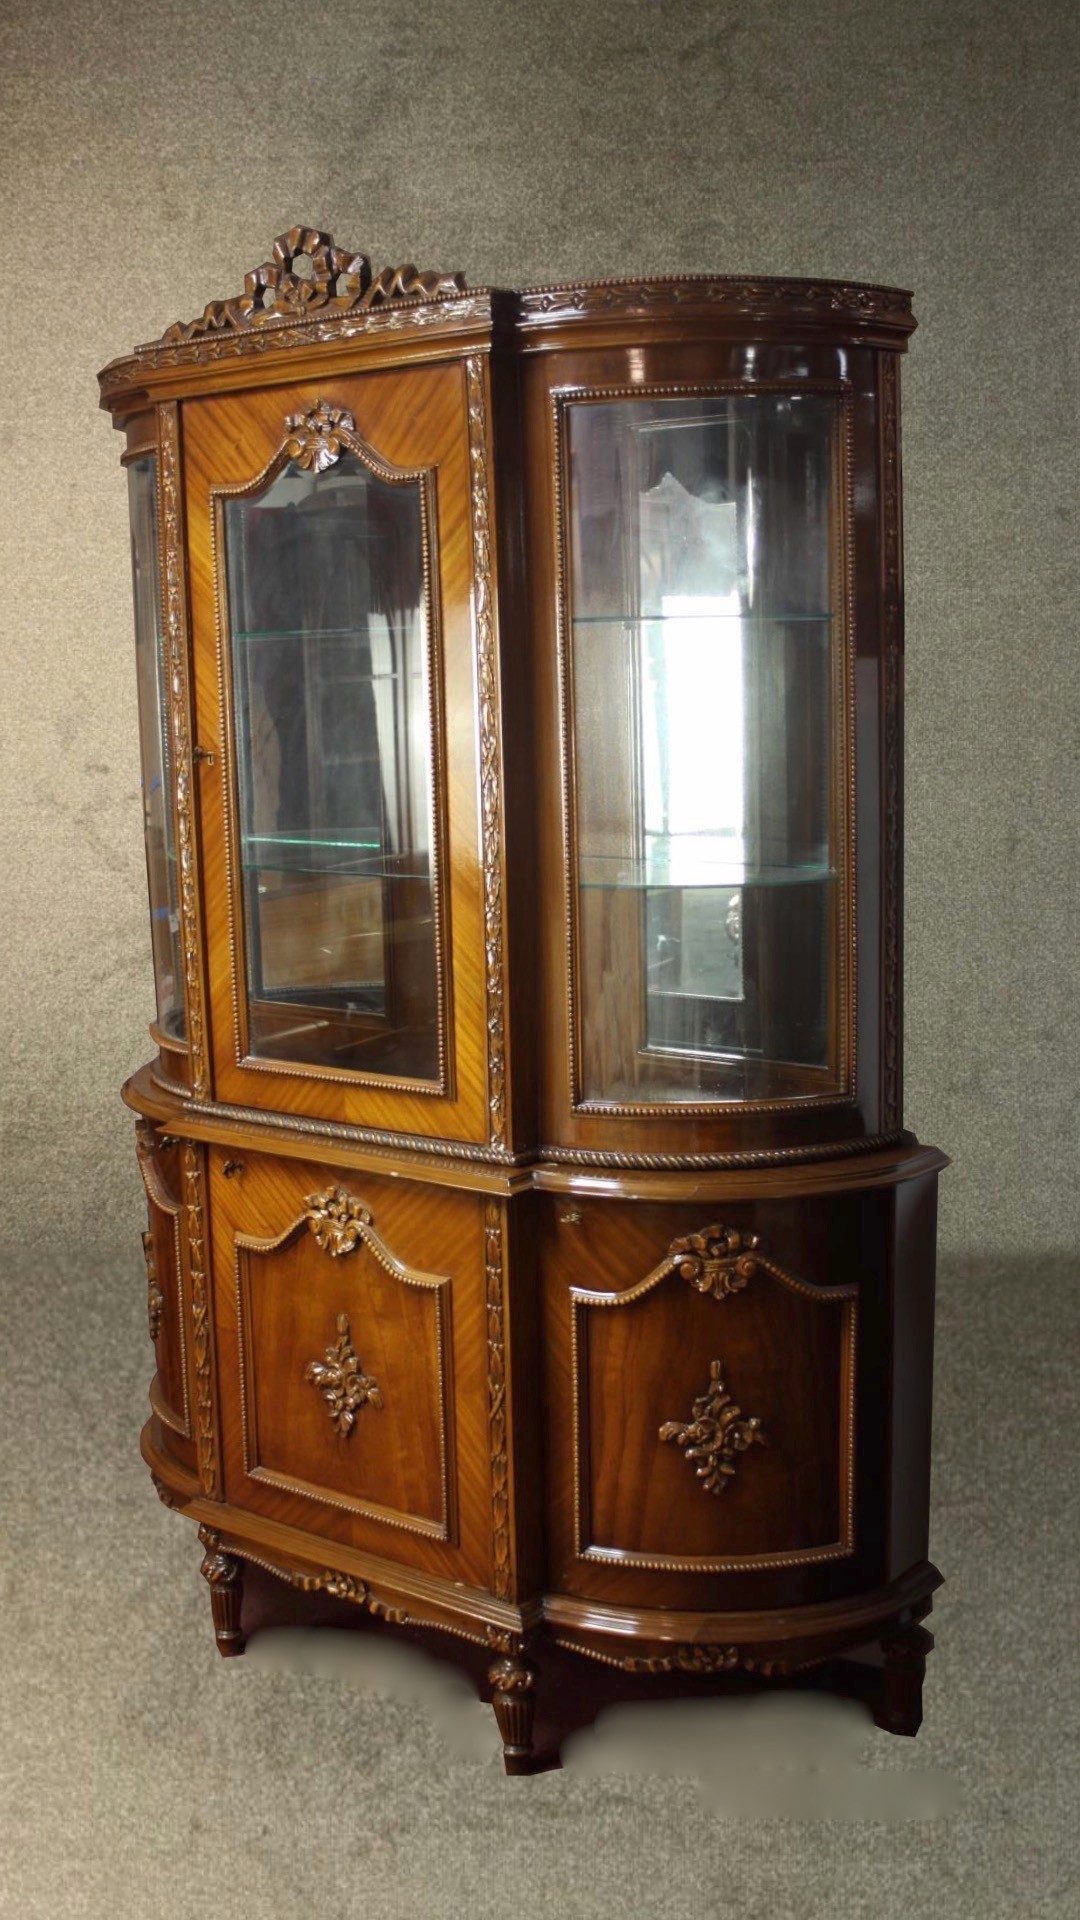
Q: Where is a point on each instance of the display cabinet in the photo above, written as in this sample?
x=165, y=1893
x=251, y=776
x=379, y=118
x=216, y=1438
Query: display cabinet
x=535, y=1255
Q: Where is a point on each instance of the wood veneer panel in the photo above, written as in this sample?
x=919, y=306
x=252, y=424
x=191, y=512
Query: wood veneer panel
x=421, y=1337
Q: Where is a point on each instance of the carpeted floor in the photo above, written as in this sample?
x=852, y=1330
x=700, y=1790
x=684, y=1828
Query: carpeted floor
x=146, y=1779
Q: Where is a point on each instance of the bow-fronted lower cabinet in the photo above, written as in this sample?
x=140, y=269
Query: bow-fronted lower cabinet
x=536, y=1256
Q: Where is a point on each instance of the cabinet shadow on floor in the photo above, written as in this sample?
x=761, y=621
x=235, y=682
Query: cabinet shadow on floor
x=749, y=1752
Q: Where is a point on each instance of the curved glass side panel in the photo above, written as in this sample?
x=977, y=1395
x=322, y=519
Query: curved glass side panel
x=157, y=795
x=704, y=659
x=328, y=613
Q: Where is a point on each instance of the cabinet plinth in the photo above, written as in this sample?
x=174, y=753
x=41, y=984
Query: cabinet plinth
x=535, y=1254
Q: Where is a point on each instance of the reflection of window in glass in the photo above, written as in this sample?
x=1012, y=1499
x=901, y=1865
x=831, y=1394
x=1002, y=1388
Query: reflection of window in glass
x=704, y=625
x=692, y=757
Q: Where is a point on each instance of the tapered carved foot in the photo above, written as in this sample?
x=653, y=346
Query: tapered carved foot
x=899, y=1708
x=514, y=1701
x=224, y=1574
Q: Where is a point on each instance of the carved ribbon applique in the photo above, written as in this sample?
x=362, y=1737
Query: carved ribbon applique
x=315, y=438
x=344, y=1386
x=719, y=1260
x=716, y=1433
x=338, y=1222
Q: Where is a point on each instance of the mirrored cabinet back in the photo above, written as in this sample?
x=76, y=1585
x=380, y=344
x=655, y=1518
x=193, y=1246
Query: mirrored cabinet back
x=536, y=1260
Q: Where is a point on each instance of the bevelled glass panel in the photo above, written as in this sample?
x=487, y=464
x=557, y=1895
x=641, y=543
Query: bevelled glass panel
x=157, y=786
x=705, y=612
x=333, y=723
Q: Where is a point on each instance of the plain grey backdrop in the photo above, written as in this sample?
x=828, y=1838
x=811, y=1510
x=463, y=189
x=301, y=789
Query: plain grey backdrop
x=149, y=154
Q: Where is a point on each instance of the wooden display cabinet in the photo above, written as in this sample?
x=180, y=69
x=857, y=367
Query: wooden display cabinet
x=535, y=1251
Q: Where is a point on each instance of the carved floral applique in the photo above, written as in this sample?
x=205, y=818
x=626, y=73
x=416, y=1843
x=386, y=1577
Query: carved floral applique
x=344, y=1386
x=716, y=1433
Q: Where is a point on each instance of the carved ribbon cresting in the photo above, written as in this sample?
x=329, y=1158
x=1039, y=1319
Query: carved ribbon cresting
x=341, y=1380
x=308, y=276
x=715, y=1434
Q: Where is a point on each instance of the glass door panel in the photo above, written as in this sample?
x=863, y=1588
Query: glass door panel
x=705, y=660
x=329, y=631
x=157, y=787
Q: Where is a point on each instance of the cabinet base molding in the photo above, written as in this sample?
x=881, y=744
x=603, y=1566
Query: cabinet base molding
x=763, y=1646
x=401, y=1596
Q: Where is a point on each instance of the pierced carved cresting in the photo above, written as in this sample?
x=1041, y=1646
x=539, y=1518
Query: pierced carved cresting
x=308, y=276
x=339, y=1222
x=720, y=1260
x=717, y=1432
x=316, y=439
x=341, y=1380
x=487, y=680
x=155, y=1299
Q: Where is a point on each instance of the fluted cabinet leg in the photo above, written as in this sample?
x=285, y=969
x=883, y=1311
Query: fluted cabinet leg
x=900, y=1706
x=514, y=1701
x=224, y=1574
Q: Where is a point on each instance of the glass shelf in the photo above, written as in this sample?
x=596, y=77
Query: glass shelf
x=335, y=858
x=710, y=619
x=328, y=870
x=691, y=874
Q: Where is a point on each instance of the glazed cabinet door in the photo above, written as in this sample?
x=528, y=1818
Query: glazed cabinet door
x=332, y=594
x=711, y=689
x=350, y=1338
x=707, y=683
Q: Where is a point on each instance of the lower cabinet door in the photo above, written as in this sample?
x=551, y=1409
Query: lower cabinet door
x=350, y=1318
x=701, y=1398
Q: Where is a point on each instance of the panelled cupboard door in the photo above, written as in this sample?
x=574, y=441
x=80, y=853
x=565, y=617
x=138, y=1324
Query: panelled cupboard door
x=681, y=1439
x=350, y=1342
x=332, y=599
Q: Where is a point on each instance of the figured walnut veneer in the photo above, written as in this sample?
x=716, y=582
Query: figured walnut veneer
x=647, y=1383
